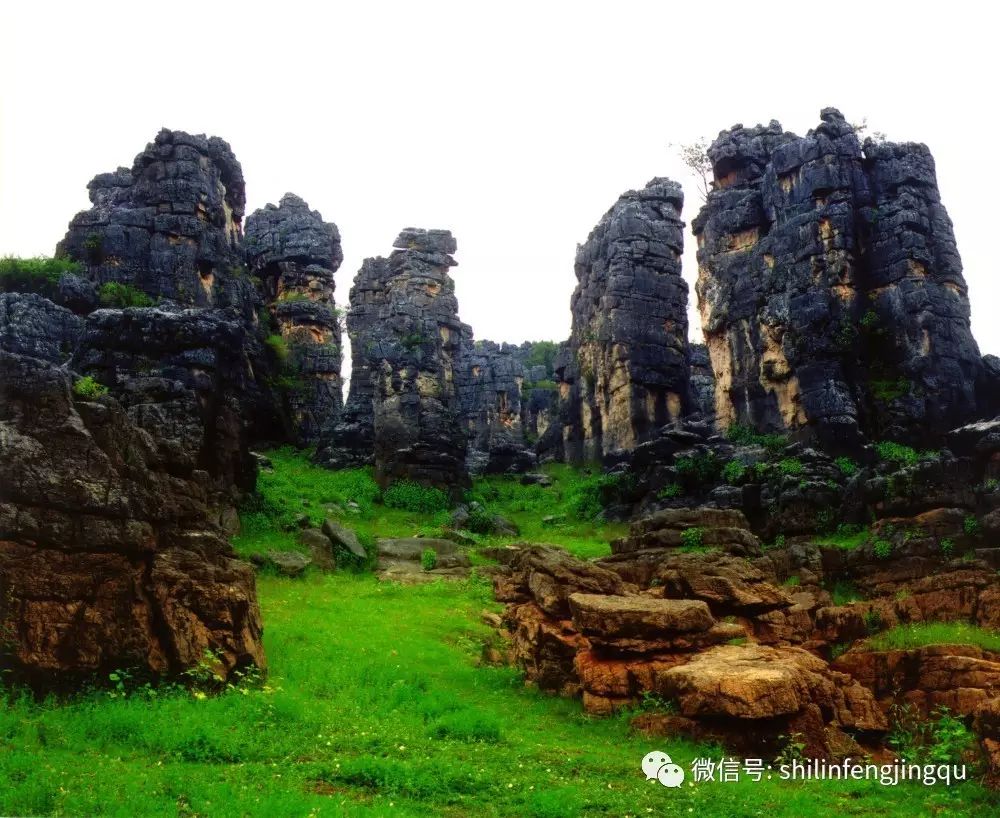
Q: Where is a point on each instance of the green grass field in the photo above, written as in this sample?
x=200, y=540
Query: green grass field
x=921, y=634
x=377, y=704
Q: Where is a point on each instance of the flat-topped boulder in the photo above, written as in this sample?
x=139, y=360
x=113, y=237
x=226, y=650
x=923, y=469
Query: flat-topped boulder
x=637, y=616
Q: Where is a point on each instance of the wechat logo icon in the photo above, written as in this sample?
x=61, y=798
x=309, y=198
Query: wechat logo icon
x=658, y=767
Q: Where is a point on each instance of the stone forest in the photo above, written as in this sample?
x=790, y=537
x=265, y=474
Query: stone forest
x=455, y=576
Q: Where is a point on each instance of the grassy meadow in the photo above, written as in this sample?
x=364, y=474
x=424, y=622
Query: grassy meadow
x=377, y=704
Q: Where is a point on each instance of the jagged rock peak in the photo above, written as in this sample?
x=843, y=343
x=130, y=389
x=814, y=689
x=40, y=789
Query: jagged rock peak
x=427, y=241
x=830, y=287
x=625, y=371
x=291, y=231
x=295, y=254
x=171, y=225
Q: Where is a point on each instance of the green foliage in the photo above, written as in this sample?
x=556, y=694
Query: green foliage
x=888, y=390
x=921, y=634
x=942, y=739
x=428, y=559
x=410, y=496
x=87, y=387
x=278, y=346
x=882, y=549
x=970, y=525
x=699, y=469
x=734, y=471
x=35, y=275
x=947, y=546
x=412, y=341
x=992, y=484
x=543, y=353
x=670, y=491
x=779, y=542
x=902, y=455
x=844, y=593
x=839, y=649
x=115, y=294
x=542, y=384
x=847, y=467
x=869, y=320
x=790, y=466
x=793, y=581
x=692, y=539
x=747, y=436
x=873, y=621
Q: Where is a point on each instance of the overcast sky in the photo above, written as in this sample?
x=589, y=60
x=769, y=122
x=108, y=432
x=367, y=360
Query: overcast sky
x=515, y=125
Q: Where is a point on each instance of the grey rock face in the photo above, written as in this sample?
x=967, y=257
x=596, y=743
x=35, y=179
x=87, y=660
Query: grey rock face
x=32, y=325
x=171, y=225
x=295, y=254
x=403, y=409
x=830, y=287
x=625, y=370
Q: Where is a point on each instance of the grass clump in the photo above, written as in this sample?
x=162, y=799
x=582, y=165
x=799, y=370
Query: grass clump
x=942, y=739
x=734, y=471
x=410, y=496
x=670, y=491
x=35, y=275
x=847, y=467
x=428, y=559
x=844, y=593
x=87, y=387
x=882, y=548
x=970, y=525
x=847, y=536
x=118, y=295
x=278, y=346
x=743, y=435
x=692, y=539
x=901, y=455
x=790, y=466
x=698, y=469
x=921, y=634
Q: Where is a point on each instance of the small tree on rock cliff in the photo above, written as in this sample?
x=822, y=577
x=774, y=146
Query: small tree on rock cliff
x=694, y=155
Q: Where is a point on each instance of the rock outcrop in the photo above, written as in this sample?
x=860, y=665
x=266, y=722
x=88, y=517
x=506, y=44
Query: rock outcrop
x=108, y=558
x=830, y=288
x=295, y=254
x=170, y=226
x=625, y=371
x=407, y=343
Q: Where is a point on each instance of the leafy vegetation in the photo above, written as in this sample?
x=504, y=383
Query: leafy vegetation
x=844, y=593
x=747, y=436
x=88, y=387
x=882, y=548
x=278, y=346
x=901, y=455
x=35, y=275
x=847, y=536
x=115, y=294
x=943, y=739
x=543, y=353
x=670, y=491
x=428, y=559
x=847, y=467
x=790, y=466
x=921, y=634
x=411, y=496
x=693, y=538
x=377, y=703
x=734, y=471
x=697, y=470
x=970, y=525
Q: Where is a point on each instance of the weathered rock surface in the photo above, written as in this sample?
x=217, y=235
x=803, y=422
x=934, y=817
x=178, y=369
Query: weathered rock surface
x=625, y=371
x=407, y=343
x=171, y=226
x=830, y=287
x=726, y=529
x=295, y=255
x=109, y=557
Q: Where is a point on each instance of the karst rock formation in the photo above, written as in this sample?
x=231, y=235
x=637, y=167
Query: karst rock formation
x=294, y=254
x=831, y=289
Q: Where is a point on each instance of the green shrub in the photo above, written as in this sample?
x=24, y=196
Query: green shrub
x=428, y=559
x=897, y=453
x=543, y=353
x=790, y=466
x=670, y=491
x=692, y=538
x=411, y=496
x=87, y=387
x=744, y=435
x=278, y=346
x=970, y=525
x=779, y=542
x=115, y=294
x=734, y=471
x=35, y=275
x=699, y=469
x=947, y=547
x=882, y=549
x=887, y=391
x=847, y=467
x=873, y=621
x=992, y=484
x=942, y=739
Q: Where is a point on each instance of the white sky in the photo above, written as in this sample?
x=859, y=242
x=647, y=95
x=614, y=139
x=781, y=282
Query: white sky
x=515, y=125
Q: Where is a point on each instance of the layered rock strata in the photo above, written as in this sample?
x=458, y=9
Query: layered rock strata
x=830, y=287
x=625, y=371
x=295, y=254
